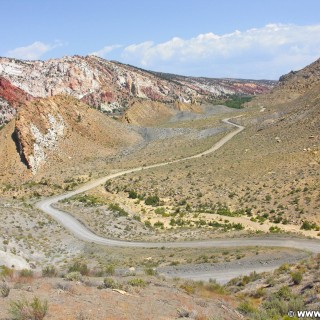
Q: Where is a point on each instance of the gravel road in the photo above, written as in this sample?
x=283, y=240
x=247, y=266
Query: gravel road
x=81, y=232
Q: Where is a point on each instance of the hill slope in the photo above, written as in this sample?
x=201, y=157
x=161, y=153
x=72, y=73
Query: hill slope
x=58, y=132
x=110, y=86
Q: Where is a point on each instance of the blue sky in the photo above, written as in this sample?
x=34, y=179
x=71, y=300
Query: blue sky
x=240, y=38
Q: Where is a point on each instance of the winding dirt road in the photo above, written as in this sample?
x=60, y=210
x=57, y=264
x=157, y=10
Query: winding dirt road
x=81, y=232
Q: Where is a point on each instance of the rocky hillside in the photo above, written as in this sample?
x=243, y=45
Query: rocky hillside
x=292, y=86
x=57, y=132
x=11, y=98
x=110, y=86
x=214, y=87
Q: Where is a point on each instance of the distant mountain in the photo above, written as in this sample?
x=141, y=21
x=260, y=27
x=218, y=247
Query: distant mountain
x=110, y=86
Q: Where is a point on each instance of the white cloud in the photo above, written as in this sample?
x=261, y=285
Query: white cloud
x=34, y=51
x=105, y=50
x=226, y=55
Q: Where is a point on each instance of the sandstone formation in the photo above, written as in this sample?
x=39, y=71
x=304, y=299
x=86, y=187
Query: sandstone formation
x=110, y=86
x=51, y=131
x=11, y=98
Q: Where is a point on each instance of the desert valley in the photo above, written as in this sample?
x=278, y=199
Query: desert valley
x=133, y=194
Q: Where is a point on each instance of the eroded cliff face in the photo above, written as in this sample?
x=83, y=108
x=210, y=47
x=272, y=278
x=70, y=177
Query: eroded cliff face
x=11, y=98
x=62, y=129
x=109, y=86
x=38, y=132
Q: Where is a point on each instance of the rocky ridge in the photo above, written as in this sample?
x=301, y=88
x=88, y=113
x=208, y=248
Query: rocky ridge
x=11, y=98
x=110, y=86
x=291, y=86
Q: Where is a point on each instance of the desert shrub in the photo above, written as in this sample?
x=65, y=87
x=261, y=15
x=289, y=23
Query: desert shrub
x=188, y=287
x=296, y=277
x=137, y=282
x=152, y=201
x=6, y=272
x=64, y=286
x=150, y=271
x=160, y=210
x=25, y=310
x=306, y=225
x=274, y=229
x=79, y=267
x=158, y=224
x=148, y=224
x=26, y=273
x=110, y=270
x=49, y=271
x=133, y=194
x=137, y=217
x=89, y=200
x=73, y=276
x=213, y=286
x=109, y=283
x=275, y=307
x=118, y=210
x=4, y=289
x=246, y=307
x=284, y=293
x=261, y=292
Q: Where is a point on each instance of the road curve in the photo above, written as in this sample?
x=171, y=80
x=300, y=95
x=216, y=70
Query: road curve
x=81, y=232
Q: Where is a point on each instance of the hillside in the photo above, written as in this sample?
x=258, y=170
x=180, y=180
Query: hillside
x=110, y=86
x=292, y=86
x=58, y=132
x=267, y=176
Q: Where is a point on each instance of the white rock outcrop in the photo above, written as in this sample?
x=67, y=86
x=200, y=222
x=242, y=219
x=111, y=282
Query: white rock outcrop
x=44, y=142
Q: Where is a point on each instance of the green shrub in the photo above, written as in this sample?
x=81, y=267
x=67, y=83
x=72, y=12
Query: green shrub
x=133, y=194
x=150, y=271
x=261, y=292
x=296, y=277
x=118, y=210
x=152, y=201
x=306, y=225
x=159, y=224
x=137, y=282
x=148, y=224
x=6, y=272
x=49, y=271
x=213, y=286
x=79, y=267
x=246, y=307
x=160, y=210
x=25, y=310
x=26, y=273
x=110, y=270
x=73, y=276
x=109, y=283
x=189, y=287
